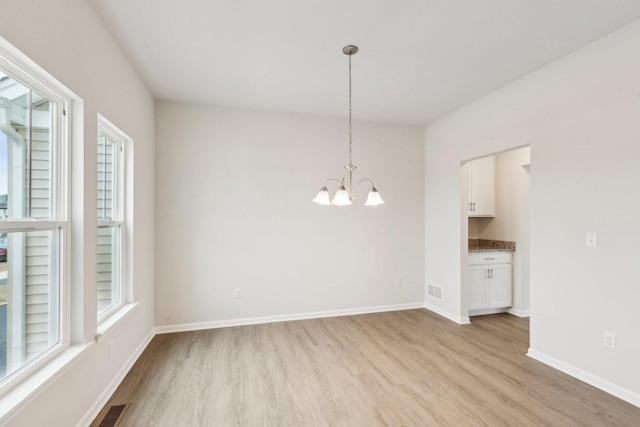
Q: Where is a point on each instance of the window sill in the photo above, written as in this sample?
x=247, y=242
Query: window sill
x=110, y=322
x=27, y=389
x=22, y=393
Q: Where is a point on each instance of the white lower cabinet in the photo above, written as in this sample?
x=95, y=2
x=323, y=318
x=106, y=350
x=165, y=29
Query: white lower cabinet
x=489, y=282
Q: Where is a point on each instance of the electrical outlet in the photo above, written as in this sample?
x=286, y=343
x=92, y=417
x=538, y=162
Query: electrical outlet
x=610, y=340
x=398, y=282
x=592, y=240
x=237, y=292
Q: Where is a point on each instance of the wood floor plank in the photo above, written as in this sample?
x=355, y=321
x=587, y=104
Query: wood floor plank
x=407, y=368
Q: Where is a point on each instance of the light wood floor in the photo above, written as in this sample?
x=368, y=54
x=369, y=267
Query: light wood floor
x=406, y=368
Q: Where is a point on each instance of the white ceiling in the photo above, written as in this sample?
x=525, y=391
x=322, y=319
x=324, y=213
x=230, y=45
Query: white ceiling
x=418, y=59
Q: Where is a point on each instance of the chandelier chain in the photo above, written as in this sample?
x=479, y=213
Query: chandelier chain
x=350, y=163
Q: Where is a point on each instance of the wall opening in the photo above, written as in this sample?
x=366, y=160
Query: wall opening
x=495, y=221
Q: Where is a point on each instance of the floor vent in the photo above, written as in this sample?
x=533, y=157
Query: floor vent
x=114, y=416
x=434, y=291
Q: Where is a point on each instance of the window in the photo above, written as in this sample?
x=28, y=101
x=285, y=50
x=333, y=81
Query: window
x=33, y=220
x=111, y=223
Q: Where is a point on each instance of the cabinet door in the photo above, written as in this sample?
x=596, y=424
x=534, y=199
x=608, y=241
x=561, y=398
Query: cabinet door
x=469, y=167
x=478, y=293
x=482, y=187
x=500, y=284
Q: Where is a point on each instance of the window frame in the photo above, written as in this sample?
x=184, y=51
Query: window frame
x=39, y=81
x=118, y=220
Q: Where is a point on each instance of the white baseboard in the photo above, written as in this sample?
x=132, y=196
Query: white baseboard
x=95, y=409
x=597, y=382
x=444, y=313
x=215, y=324
x=519, y=313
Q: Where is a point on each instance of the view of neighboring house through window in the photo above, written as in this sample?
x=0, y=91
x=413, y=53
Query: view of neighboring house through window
x=110, y=219
x=30, y=250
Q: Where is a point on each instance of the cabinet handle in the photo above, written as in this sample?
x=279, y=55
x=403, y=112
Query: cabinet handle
x=474, y=206
x=487, y=275
x=489, y=258
x=470, y=206
x=491, y=273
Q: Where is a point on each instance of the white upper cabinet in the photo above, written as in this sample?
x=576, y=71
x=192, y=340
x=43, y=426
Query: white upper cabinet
x=482, y=187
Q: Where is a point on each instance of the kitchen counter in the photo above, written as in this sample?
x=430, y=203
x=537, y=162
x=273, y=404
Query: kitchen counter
x=485, y=245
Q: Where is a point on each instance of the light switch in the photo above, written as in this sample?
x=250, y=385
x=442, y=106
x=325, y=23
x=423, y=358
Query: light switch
x=592, y=240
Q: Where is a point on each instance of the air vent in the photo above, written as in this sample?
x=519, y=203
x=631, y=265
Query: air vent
x=114, y=416
x=434, y=291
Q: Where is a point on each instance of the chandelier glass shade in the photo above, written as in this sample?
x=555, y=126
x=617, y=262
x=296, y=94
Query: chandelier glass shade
x=347, y=187
x=323, y=197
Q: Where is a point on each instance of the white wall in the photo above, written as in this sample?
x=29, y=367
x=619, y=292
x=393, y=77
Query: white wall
x=581, y=117
x=476, y=225
x=511, y=222
x=234, y=209
x=67, y=39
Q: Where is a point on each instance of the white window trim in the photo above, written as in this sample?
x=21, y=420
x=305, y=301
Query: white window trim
x=30, y=74
x=122, y=141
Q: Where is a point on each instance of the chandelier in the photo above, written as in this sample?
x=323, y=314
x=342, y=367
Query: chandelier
x=344, y=195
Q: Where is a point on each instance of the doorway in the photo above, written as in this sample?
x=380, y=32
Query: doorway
x=495, y=271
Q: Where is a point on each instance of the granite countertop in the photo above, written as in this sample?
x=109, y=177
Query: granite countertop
x=484, y=245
